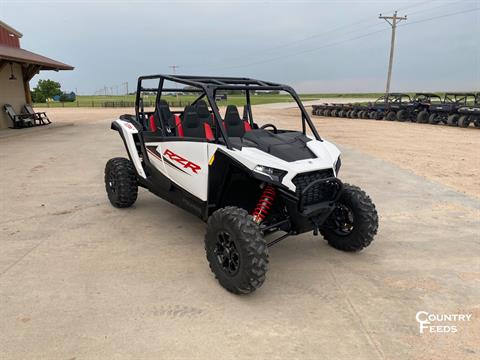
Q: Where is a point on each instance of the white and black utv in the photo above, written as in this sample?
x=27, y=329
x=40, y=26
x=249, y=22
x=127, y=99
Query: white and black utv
x=247, y=182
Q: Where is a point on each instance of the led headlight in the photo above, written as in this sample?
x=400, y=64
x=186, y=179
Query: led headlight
x=337, y=165
x=274, y=174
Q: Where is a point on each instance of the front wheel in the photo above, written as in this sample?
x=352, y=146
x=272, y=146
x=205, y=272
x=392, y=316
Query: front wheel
x=452, y=120
x=353, y=223
x=433, y=119
x=236, y=250
x=391, y=116
x=402, y=115
x=422, y=117
x=121, y=182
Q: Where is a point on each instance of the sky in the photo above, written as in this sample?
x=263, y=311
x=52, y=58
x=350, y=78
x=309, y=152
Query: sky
x=315, y=46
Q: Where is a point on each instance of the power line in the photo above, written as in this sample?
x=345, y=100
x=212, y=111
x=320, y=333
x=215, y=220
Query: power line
x=314, y=36
x=342, y=41
x=441, y=16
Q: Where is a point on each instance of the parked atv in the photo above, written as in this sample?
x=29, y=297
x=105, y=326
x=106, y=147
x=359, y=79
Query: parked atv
x=385, y=107
x=421, y=102
x=253, y=185
x=447, y=111
x=470, y=114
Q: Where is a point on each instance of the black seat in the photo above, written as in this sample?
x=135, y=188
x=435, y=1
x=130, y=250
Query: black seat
x=194, y=126
x=202, y=110
x=233, y=123
x=164, y=115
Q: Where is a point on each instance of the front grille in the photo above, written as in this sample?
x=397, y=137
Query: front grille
x=323, y=191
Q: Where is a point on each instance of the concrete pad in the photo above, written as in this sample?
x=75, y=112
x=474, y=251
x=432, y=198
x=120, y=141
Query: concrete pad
x=81, y=279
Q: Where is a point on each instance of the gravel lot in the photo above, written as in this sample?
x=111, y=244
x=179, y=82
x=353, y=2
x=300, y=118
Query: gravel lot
x=80, y=279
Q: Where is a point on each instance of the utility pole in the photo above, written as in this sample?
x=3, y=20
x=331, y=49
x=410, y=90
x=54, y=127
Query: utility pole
x=392, y=21
x=174, y=68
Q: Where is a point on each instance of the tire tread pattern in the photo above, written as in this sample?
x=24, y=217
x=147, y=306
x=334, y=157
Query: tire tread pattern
x=255, y=263
x=366, y=228
x=126, y=178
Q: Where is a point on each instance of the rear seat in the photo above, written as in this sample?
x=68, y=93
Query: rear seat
x=203, y=113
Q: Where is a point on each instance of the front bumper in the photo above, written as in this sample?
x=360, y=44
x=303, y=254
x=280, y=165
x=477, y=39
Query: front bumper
x=304, y=216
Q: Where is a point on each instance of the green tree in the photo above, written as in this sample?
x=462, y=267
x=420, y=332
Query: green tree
x=46, y=89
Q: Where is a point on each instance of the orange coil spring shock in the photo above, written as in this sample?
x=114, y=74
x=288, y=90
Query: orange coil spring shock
x=264, y=204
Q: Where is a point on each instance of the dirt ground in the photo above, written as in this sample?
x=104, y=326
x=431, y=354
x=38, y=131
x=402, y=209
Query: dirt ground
x=443, y=154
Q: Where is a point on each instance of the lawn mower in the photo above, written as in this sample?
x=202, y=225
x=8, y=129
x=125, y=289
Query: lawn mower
x=253, y=185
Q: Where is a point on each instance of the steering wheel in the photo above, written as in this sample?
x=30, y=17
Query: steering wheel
x=270, y=125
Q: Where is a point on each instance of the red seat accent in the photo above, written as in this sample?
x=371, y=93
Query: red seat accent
x=208, y=131
x=153, y=127
x=178, y=124
x=247, y=125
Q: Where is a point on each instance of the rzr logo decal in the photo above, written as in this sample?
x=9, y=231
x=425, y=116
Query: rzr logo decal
x=182, y=161
x=171, y=158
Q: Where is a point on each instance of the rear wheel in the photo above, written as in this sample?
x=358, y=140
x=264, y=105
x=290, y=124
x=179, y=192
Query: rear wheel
x=452, y=120
x=464, y=121
x=476, y=122
x=422, y=117
x=391, y=116
x=353, y=223
x=236, y=250
x=121, y=182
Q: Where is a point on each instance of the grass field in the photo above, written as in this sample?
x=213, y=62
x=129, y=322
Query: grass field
x=128, y=100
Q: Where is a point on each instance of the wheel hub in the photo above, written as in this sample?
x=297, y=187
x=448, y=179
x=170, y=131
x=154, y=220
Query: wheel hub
x=343, y=220
x=111, y=183
x=226, y=253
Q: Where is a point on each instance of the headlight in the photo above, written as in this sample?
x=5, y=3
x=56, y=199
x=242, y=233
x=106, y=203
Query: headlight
x=274, y=174
x=338, y=163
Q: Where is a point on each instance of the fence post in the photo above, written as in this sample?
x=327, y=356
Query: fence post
x=63, y=104
x=93, y=104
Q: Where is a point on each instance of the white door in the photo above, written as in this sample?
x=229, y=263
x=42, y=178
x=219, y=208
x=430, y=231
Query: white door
x=186, y=164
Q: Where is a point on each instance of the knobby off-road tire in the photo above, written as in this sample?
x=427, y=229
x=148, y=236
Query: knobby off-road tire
x=402, y=115
x=433, y=119
x=422, y=117
x=121, y=182
x=391, y=116
x=476, y=122
x=452, y=120
x=464, y=121
x=353, y=224
x=236, y=250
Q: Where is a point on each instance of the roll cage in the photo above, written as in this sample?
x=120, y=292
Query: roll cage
x=459, y=98
x=207, y=87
